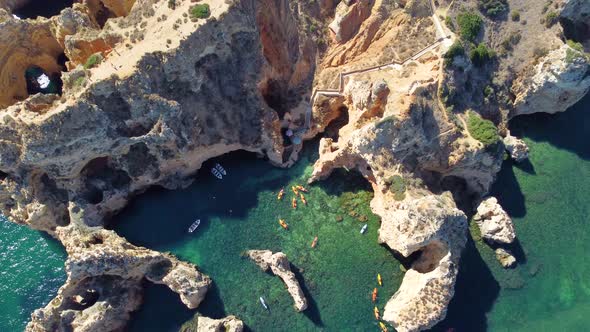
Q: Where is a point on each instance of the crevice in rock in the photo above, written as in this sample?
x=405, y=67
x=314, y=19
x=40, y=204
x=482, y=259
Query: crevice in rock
x=3, y=175
x=335, y=125
x=430, y=257
x=101, y=12
x=576, y=31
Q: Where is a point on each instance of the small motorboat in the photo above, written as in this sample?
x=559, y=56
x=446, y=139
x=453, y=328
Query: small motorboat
x=216, y=173
x=283, y=224
x=294, y=203
x=263, y=303
x=221, y=169
x=303, y=198
x=379, y=280
x=281, y=194
x=314, y=242
x=194, y=226
x=383, y=327
x=301, y=188
x=364, y=229
x=376, y=312
x=374, y=297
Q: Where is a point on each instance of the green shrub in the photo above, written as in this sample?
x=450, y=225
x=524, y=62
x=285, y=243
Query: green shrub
x=199, y=11
x=397, y=185
x=492, y=7
x=469, y=25
x=550, y=19
x=481, y=129
x=576, y=46
x=80, y=81
x=93, y=60
x=481, y=54
x=172, y=4
x=515, y=15
x=455, y=50
x=488, y=91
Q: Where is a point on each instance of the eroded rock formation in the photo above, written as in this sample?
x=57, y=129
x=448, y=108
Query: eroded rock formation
x=556, y=83
x=517, y=148
x=206, y=324
x=494, y=223
x=280, y=266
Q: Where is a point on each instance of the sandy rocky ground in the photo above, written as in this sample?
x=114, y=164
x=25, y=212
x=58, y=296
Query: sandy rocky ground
x=171, y=93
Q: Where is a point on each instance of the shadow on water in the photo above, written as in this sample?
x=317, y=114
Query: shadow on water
x=526, y=166
x=540, y=127
x=213, y=306
x=476, y=291
x=312, y=312
x=342, y=181
x=147, y=318
x=508, y=192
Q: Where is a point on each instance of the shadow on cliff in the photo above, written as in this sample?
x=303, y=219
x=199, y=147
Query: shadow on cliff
x=540, y=127
x=476, y=291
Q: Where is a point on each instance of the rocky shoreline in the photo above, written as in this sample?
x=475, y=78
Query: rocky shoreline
x=150, y=94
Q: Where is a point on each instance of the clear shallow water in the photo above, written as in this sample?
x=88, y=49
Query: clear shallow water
x=549, y=200
x=338, y=275
x=31, y=272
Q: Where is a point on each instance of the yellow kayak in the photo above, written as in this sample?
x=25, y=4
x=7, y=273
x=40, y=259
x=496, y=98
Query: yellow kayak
x=379, y=280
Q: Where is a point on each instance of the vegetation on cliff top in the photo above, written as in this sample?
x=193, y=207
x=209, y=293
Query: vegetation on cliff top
x=481, y=129
x=397, y=185
x=492, y=7
x=469, y=25
x=481, y=54
x=455, y=50
x=93, y=60
x=199, y=11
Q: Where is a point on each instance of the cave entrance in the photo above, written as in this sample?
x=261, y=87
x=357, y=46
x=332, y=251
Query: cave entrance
x=335, y=125
x=34, y=8
x=38, y=81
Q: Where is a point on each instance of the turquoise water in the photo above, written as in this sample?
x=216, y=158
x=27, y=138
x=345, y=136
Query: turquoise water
x=32, y=270
x=549, y=200
x=240, y=213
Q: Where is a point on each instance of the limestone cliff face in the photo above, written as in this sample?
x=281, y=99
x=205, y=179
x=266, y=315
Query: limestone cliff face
x=168, y=95
x=556, y=83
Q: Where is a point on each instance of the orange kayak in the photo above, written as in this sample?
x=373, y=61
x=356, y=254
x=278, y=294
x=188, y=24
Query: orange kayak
x=383, y=327
x=374, y=295
x=281, y=193
x=303, y=198
x=376, y=311
x=294, y=203
x=379, y=280
x=301, y=188
x=283, y=224
x=314, y=242
x=295, y=191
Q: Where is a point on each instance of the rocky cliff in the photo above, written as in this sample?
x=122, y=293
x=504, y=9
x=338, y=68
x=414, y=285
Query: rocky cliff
x=149, y=93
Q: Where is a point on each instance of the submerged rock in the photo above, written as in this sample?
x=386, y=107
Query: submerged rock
x=280, y=266
x=493, y=222
x=505, y=258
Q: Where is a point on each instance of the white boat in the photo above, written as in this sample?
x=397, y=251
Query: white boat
x=263, y=303
x=221, y=169
x=216, y=173
x=364, y=229
x=194, y=225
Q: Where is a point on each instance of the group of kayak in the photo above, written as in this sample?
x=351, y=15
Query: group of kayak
x=374, y=299
x=298, y=191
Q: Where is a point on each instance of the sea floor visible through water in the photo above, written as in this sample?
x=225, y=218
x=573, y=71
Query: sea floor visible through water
x=547, y=197
x=241, y=212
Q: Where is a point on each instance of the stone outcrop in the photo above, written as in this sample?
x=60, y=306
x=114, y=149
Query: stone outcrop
x=516, y=147
x=494, y=223
x=104, y=276
x=206, y=324
x=168, y=95
x=348, y=18
x=505, y=258
x=556, y=83
x=575, y=19
x=280, y=266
